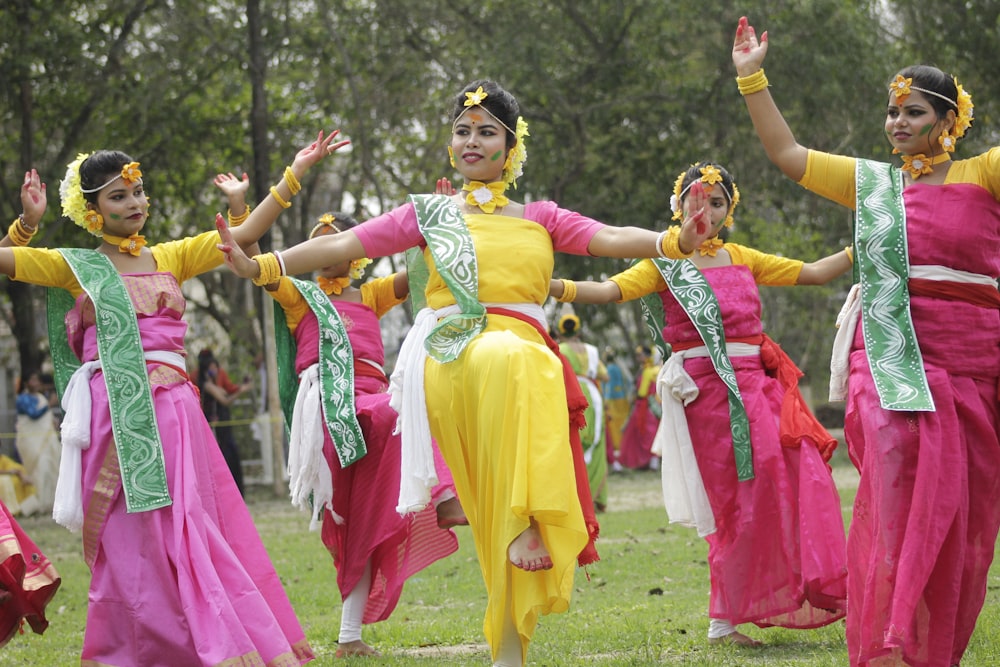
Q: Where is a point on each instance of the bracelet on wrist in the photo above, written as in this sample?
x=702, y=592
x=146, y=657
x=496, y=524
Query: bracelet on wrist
x=278, y=198
x=237, y=220
x=19, y=233
x=849, y=249
x=752, y=83
x=270, y=269
x=669, y=244
x=293, y=183
x=569, y=291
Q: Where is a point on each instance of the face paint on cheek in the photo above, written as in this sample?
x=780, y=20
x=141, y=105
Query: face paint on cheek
x=496, y=156
x=115, y=216
x=926, y=130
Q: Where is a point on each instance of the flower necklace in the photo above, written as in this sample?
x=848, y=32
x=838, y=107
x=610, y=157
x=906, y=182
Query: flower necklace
x=710, y=246
x=486, y=196
x=333, y=285
x=919, y=164
x=131, y=244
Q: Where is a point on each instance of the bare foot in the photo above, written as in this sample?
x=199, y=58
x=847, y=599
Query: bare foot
x=527, y=551
x=737, y=638
x=450, y=513
x=355, y=648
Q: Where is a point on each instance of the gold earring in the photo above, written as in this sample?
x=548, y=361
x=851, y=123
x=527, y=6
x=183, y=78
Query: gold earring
x=451, y=157
x=94, y=221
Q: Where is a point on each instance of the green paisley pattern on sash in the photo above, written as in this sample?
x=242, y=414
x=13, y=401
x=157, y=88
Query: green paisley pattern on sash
x=688, y=285
x=133, y=416
x=443, y=227
x=58, y=302
x=417, y=276
x=336, y=375
x=880, y=254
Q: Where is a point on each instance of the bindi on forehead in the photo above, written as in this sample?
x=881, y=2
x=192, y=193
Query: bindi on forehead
x=475, y=117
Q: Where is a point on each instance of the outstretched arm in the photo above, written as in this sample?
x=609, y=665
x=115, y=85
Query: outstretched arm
x=587, y=291
x=826, y=269
x=779, y=142
x=629, y=242
x=262, y=217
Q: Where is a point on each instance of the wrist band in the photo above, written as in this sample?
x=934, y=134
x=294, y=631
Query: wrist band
x=18, y=232
x=293, y=183
x=281, y=263
x=850, y=252
x=278, y=198
x=669, y=244
x=752, y=83
x=569, y=291
x=237, y=220
x=270, y=269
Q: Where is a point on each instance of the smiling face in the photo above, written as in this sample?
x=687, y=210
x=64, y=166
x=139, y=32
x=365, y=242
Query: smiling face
x=913, y=127
x=124, y=207
x=479, y=144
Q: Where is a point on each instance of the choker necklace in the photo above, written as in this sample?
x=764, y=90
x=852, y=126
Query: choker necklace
x=486, y=196
x=130, y=244
x=919, y=164
x=710, y=246
x=333, y=285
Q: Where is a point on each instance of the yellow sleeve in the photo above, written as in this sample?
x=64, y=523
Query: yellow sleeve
x=187, y=257
x=983, y=170
x=44, y=266
x=639, y=280
x=831, y=176
x=291, y=301
x=766, y=269
x=379, y=294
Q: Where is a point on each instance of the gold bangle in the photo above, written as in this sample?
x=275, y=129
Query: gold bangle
x=670, y=244
x=237, y=220
x=569, y=291
x=293, y=183
x=278, y=198
x=850, y=252
x=752, y=83
x=270, y=269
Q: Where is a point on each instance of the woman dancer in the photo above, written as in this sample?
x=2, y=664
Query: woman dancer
x=760, y=490
x=493, y=392
x=178, y=572
x=922, y=418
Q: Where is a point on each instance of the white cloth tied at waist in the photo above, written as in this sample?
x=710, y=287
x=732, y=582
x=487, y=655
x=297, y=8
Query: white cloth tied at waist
x=309, y=479
x=847, y=319
x=683, y=488
x=406, y=389
x=77, y=405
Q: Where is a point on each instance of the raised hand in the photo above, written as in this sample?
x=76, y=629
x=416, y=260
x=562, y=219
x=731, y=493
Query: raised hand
x=696, y=227
x=748, y=53
x=33, y=199
x=316, y=151
x=233, y=255
x=232, y=186
x=444, y=187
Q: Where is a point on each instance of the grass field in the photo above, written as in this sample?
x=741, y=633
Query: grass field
x=645, y=602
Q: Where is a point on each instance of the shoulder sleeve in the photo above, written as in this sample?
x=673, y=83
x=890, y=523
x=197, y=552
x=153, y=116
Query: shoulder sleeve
x=379, y=294
x=44, y=266
x=639, y=280
x=571, y=232
x=390, y=233
x=766, y=269
x=831, y=176
x=187, y=257
x=291, y=301
x=983, y=169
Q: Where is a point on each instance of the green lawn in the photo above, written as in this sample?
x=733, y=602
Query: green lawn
x=645, y=602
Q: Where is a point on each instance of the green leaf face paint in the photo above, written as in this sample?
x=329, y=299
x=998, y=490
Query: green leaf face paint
x=115, y=216
x=496, y=156
x=926, y=130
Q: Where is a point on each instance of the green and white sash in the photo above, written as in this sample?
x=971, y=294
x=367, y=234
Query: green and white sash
x=882, y=261
x=688, y=285
x=443, y=227
x=336, y=374
x=119, y=344
x=652, y=312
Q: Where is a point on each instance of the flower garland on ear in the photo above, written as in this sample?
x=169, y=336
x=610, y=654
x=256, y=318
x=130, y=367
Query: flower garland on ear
x=513, y=167
x=358, y=267
x=710, y=175
x=74, y=204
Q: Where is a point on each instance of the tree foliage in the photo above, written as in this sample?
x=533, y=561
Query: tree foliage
x=620, y=96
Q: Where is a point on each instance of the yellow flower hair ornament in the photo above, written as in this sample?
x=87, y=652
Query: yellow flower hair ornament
x=74, y=205
x=710, y=175
x=358, y=267
x=475, y=98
